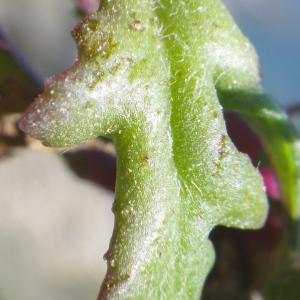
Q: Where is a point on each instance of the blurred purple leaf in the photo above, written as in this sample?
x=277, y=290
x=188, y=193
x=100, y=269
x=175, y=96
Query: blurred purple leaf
x=88, y=6
x=271, y=183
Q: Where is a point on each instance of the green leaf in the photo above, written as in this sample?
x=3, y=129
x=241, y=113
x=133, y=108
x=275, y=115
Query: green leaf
x=281, y=142
x=147, y=77
x=279, y=137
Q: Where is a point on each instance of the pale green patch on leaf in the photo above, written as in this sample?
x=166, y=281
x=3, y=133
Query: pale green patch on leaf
x=147, y=77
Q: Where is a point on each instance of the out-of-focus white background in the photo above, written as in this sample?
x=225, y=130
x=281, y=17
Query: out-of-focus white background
x=54, y=227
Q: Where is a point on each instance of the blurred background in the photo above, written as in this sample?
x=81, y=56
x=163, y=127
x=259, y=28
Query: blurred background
x=55, y=226
x=41, y=30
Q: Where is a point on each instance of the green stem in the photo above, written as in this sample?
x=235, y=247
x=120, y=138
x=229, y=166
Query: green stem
x=141, y=260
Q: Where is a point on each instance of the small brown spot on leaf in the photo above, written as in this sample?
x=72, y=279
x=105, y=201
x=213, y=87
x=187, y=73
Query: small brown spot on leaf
x=223, y=146
x=137, y=25
x=145, y=158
